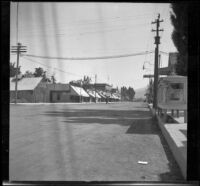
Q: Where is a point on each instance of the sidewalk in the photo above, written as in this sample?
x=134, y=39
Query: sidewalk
x=175, y=133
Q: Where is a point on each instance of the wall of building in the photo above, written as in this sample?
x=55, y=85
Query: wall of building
x=48, y=93
x=59, y=96
x=24, y=96
x=39, y=94
x=57, y=93
x=99, y=86
x=103, y=87
x=62, y=93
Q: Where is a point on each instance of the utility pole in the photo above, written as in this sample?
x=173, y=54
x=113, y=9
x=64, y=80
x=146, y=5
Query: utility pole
x=157, y=42
x=95, y=87
x=159, y=62
x=17, y=49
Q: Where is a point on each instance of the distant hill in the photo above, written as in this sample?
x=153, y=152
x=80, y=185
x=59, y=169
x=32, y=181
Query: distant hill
x=139, y=93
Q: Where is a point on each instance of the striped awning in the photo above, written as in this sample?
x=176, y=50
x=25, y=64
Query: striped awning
x=80, y=91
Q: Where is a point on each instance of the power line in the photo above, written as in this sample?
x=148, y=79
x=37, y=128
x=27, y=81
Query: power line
x=90, y=58
x=48, y=66
x=166, y=53
x=147, y=47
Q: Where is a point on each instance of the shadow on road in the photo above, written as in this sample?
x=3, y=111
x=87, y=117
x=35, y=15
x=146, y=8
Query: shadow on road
x=120, y=117
x=140, y=122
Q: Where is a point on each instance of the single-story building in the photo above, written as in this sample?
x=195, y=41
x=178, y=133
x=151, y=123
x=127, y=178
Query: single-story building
x=57, y=92
x=34, y=90
x=78, y=94
x=66, y=93
x=29, y=90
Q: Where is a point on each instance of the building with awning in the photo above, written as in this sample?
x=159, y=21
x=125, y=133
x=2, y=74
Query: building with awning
x=34, y=90
x=99, y=87
x=102, y=95
x=93, y=95
x=116, y=97
x=63, y=93
x=78, y=94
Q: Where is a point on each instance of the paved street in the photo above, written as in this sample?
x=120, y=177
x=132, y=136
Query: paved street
x=88, y=142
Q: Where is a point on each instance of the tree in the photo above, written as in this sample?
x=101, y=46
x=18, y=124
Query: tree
x=179, y=19
x=48, y=79
x=39, y=72
x=123, y=93
x=76, y=82
x=81, y=82
x=53, y=79
x=28, y=74
x=86, y=80
x=131, y=93
x=127, y=94
x=13, y=69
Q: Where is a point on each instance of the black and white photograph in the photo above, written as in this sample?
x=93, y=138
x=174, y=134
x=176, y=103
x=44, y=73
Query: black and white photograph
x=98, y=91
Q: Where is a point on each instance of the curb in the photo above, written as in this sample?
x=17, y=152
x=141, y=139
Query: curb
x=180, y=159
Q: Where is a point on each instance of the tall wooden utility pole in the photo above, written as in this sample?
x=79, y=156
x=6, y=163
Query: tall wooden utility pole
x=17, y=49
x=157, y=42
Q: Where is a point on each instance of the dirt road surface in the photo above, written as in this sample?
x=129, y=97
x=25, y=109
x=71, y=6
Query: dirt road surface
x=88, y=142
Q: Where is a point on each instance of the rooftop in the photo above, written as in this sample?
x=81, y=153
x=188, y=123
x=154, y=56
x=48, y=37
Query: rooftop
x=25, y=83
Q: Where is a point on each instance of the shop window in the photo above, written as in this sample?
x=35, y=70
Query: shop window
x=176, y=93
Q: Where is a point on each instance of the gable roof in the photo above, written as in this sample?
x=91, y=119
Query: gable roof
x=25, y=83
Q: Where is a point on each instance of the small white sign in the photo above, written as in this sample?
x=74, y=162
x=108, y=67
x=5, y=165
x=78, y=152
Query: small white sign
x=143, y=162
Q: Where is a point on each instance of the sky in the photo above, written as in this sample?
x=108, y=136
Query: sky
x=91, y=30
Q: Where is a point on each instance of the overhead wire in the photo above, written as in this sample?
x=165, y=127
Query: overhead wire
x=147, y=47
x=48, y=66
x=90, y=58
x=165, y=53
